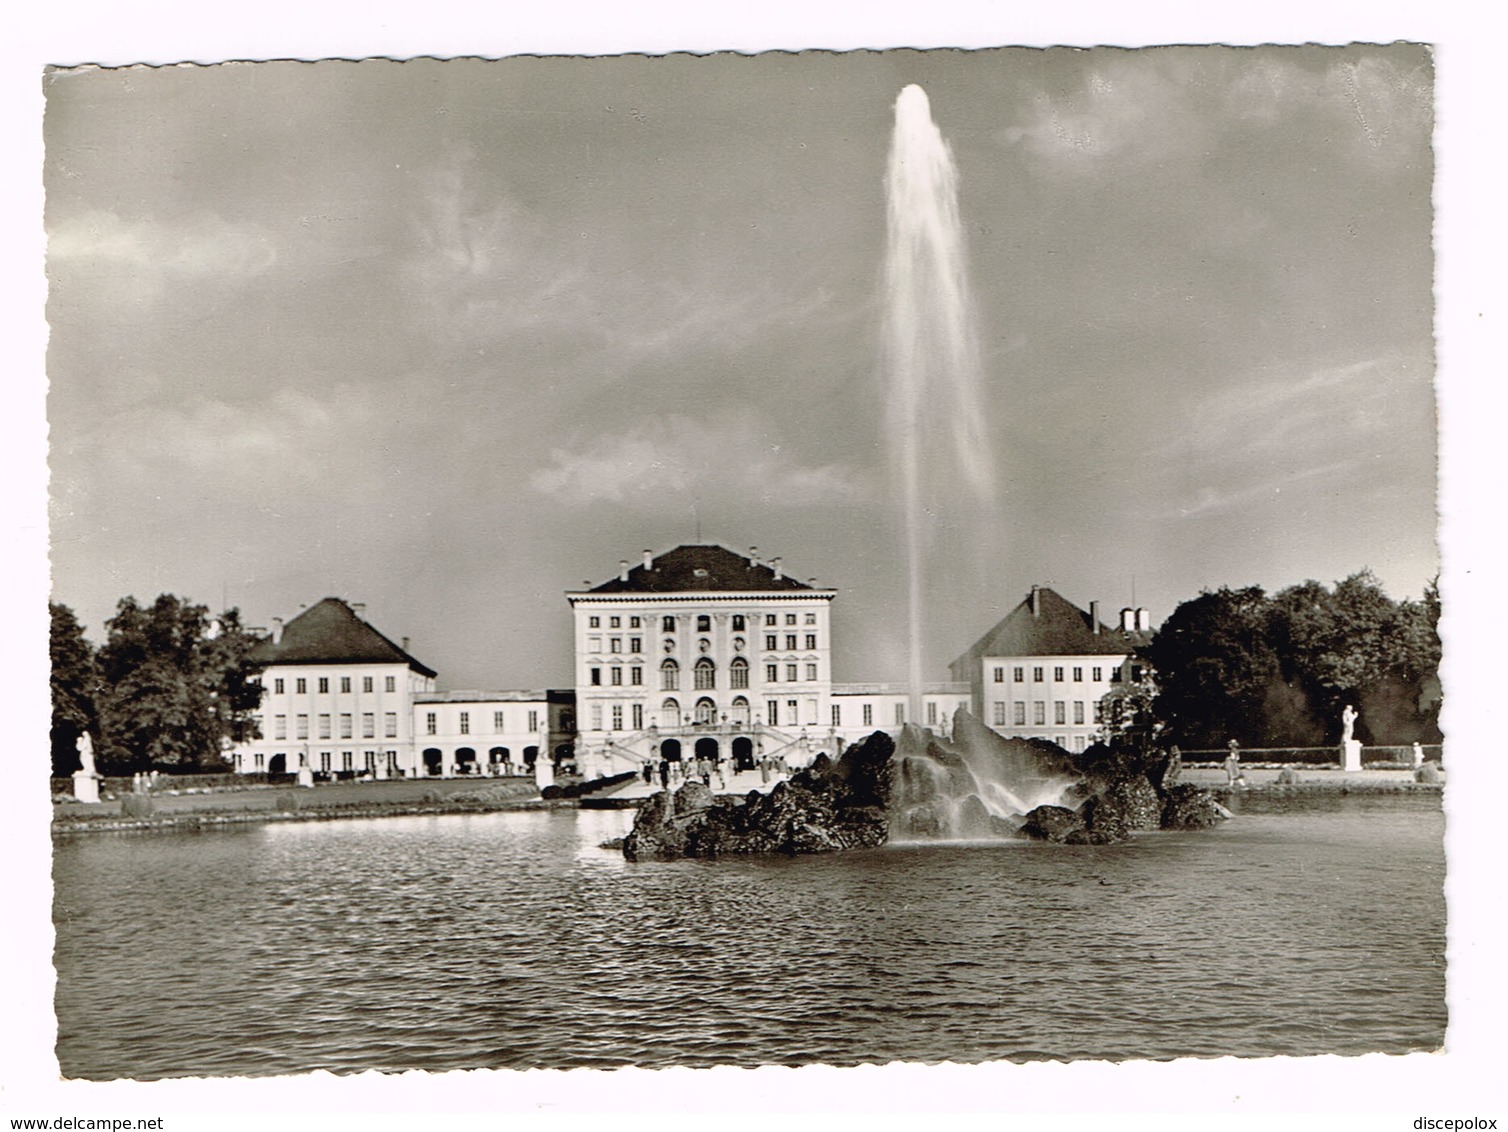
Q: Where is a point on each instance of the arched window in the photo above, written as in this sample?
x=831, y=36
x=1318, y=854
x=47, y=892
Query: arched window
x=705, y=674
x=738, y=673
x=740, y=712
x=667, y=624
x=706, y=711
x=670, y=676
x=738, y=622
x=670, y=713
x=704, y=624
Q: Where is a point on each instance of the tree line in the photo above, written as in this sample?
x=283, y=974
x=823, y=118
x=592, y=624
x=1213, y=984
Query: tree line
x=1277, y=670
x=170, y=689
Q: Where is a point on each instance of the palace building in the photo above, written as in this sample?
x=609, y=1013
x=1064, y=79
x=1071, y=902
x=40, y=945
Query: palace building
x=1040, y=673
x=697, y=651
x=343, y=700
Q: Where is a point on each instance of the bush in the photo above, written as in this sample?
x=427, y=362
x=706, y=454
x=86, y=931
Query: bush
x=1429, y=773
x=552, y=792
x=431, y=795
x=1288, y=777
x=287, y=802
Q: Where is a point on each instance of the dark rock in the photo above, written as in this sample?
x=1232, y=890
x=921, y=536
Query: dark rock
x=1129, y=803
x=1189, y=807
x=928, y=790
x=1051, y=823
x=829, y=806
x=1105, y=819
x=1090, y=837
x=691, y=797
x=1165, y=770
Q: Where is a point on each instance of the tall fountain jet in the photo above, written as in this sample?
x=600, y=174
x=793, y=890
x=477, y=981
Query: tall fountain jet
x=931, y=353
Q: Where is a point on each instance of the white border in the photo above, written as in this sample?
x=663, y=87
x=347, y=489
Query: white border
x=1465, y=1081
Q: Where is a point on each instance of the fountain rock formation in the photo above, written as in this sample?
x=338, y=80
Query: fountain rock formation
x=977, y=786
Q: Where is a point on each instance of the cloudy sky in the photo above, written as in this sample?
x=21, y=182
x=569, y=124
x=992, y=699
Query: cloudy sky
x=452, y=337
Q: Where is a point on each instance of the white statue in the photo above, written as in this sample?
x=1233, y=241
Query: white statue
x=85, y=748
x=1348, y=724
x=86, y=779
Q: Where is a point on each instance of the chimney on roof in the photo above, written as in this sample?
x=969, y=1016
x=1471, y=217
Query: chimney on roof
x=1143, y=621
x=405, y=644
x=775, y=566
x=1128, y=619
x=1094, y=618
x=359, y=608
x=811, y=581
x=753, y=556
x=1036, y=600
x=649, y=559
x=623, y=569
x=277, y=629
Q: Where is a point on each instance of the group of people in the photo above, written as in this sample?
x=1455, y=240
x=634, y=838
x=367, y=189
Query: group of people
x=674, y=772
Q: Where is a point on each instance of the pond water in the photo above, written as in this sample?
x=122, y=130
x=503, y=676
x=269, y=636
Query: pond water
x=514, y=941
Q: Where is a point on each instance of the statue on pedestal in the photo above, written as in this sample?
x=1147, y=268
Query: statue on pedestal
x=1350, y=746
x=86, y=778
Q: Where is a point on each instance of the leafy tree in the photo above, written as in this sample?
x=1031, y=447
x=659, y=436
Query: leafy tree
x=1215, y=667
x=1278, y=671
x=75, y=685
x=179, y=687
x=1128, y=714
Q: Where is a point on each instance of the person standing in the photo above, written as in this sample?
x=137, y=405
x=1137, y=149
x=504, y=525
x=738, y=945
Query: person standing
x=1233, y=763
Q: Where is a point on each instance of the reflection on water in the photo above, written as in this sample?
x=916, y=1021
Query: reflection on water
x=514, y=941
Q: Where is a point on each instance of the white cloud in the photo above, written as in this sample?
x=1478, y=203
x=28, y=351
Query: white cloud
x=138, y=259
x=1272, y=431
x=652, y=465
x=290, y=438
x=486, y=267
x=1174, y=103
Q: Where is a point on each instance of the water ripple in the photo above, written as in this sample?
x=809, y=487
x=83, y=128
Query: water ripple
x=513, y=941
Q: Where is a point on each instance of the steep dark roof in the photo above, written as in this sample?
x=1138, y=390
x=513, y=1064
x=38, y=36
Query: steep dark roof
x=329, y=632
x=1059, y=628
x=705, y=568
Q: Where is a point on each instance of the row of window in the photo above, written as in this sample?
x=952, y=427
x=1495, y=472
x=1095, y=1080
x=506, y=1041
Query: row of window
x=704, y=711
x=322, y=683
x=636, y=644
x=703, y=622
x=1039, y=713
x=345, y=721
x=772, y=641
x=347, y=760
x=704, y=675
x=1018, y=675
x=463, y=723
